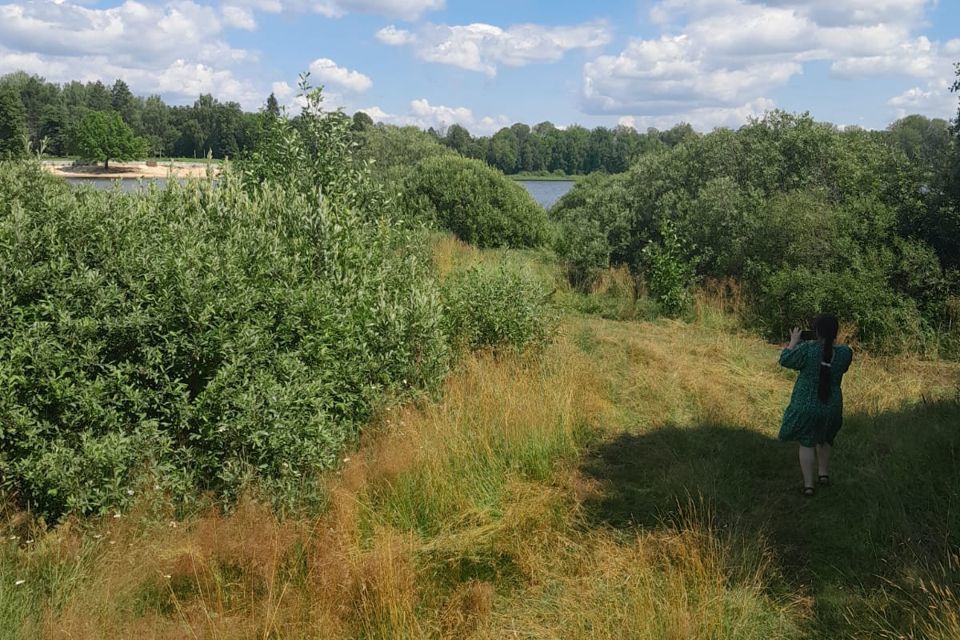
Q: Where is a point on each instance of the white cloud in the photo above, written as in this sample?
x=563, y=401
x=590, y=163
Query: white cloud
x=174, y=49
x=403, y=9
x=326, y=71
x=729, y=55
x=481, y=47
x=398, y=9
x=934, y=97
x=131, y=33
x=239, y=17
x=826, y=13
x=703, y=119
x=393, y=36
x=425, y=115
x=673, y=74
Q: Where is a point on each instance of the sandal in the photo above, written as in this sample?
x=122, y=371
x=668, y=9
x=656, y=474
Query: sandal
x=808, y=492
x=824, y=480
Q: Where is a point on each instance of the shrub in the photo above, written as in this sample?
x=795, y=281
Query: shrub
x=806, y=217
x=393, y=152
x=497, y=307
x=197, y=337
x=475, y=202
x=671, y=274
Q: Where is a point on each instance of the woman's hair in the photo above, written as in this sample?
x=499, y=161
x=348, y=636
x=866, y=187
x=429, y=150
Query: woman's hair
x=826, y=326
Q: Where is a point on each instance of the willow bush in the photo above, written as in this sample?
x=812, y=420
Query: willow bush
x=478, y=204
x=201, y=337
x=497, y=307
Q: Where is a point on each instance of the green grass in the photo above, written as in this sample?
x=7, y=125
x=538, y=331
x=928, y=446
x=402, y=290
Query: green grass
x=627, y=483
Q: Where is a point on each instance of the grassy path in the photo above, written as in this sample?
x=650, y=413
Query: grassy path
x=626, y=483
x=893, y=505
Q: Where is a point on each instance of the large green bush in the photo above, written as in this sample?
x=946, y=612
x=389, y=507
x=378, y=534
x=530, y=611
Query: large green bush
x=475, y=202
x=201, y=337
x=393, y=152
x=807, y=217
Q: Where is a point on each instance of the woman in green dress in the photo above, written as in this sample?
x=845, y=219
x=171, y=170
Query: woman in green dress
x=815, y=412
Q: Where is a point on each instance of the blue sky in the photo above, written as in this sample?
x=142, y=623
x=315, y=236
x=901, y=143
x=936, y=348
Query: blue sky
x=491, y=63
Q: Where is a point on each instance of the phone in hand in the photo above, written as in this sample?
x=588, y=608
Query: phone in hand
x=808, y=334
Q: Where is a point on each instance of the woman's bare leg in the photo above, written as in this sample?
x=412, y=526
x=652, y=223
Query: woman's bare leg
x=808, y=460
x=823, y=459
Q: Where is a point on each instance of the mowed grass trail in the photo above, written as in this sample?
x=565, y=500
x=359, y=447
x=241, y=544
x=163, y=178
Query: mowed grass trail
x=624, y=483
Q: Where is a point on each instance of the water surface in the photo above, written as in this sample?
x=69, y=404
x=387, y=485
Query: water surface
x=546, y=192
x=126, y=184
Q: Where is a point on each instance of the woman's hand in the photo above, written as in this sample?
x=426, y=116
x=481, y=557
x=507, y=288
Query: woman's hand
x=794, y=337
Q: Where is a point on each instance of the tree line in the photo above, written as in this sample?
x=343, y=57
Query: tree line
x=50, y=114
x=574, y=150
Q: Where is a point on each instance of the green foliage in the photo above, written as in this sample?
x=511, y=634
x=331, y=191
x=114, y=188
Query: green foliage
x=475, y=202
x=312, y=156
x=13, y=131
x=545, y=149
x=104, y=136
x=392, y=152
x=497, y=307
x=198, y=338
x=809, y=218
x=670, y=273
x=208, y=126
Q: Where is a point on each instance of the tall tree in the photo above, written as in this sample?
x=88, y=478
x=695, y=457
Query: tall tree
x=361, y=121
x=502, y=153
x=98, y=97
x=458, y=139
x=272, y=107
x=13, y=128
x=103, y=136
x=123, y=102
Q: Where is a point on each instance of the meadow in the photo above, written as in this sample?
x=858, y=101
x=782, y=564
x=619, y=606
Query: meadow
x=623, y=483
x=339, y=394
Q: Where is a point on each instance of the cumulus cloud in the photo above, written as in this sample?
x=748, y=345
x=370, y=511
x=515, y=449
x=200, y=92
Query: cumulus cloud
x=403, y=9
x=826, y=13
x=398, y=9
x=729, y=55
x=425, y=115
x=175, y=49
x=482, y=47
x=239, y=17
x=703, y=119
x=131, y=33
x=673, y=73
x=326, y=71
x=933, y=98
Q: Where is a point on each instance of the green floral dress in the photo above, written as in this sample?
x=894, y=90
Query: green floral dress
x=807, y=420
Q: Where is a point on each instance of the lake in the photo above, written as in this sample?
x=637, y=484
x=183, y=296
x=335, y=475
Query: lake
x=126, y=184
x=546, y=192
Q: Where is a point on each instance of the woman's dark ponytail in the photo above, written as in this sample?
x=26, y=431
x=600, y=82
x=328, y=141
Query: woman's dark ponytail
x=827, y=327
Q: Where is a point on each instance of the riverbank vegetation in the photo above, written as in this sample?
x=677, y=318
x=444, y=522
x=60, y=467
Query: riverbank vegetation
x=803, y=216
x=297, y=404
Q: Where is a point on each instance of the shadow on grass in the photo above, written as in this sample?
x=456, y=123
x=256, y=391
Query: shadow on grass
x=894, y=500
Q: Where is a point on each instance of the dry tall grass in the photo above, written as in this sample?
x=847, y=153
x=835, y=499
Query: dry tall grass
x=465, y=517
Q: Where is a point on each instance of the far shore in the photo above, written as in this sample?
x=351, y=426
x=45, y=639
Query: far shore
x=131, y=170
x=521, y=177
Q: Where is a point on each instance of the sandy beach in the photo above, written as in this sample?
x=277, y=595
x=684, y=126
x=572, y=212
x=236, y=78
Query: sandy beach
x=132, y=170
